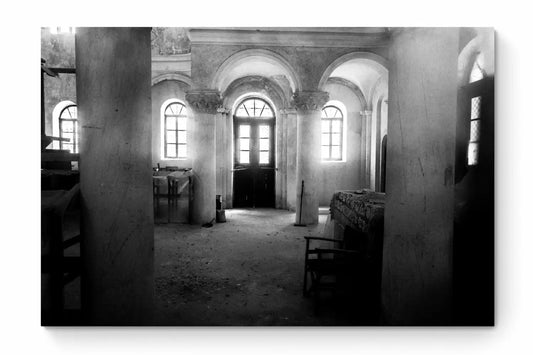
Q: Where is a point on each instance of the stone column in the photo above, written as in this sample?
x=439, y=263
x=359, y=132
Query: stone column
x=291, y=148
x=113, y=84
x=203, y=153
x=417, y=252
x=223, y=148
x=308, y=105
x=366, y=139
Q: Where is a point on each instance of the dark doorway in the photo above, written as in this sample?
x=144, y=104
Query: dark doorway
x=473, y=244
x=254, y=160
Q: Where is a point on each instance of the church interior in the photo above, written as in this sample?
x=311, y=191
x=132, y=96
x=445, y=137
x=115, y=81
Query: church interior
x=267, y=176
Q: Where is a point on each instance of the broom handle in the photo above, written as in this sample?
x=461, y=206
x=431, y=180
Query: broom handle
x=301, y=202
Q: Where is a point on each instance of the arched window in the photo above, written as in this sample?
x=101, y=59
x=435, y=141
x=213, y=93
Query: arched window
x=332, y=133
x=254, y=121
x=68, y=128
x=175, y=131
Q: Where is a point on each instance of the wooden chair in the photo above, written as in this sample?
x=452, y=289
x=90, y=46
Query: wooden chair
x=60, y=269
x=329, y=268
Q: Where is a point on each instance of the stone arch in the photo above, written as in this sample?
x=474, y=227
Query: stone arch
x=352, y=86
x=380, y=62
x=172, y=76
x=482, y=44
x=255, y=86
x=237, y=91
x=254, y=62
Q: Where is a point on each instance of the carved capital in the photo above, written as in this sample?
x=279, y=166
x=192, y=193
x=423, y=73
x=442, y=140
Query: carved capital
x=206, y=101
x=310, y=100
x=223, y=110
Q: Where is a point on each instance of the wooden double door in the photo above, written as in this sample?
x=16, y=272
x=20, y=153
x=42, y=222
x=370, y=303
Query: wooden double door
x=254, y=159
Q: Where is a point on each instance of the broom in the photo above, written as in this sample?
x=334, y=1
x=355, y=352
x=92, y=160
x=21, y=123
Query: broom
x=299, y=224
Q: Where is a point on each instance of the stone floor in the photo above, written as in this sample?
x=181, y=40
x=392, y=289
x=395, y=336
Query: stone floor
x=247, y=271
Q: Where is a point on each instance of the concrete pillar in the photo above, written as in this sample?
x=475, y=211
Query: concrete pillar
x=308, y=105
x=113, y=83
x=203, y=153
x=417, y=253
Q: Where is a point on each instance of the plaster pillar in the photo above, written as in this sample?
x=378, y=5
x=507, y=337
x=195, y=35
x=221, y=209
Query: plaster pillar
x=223, y=147
x=366, y=139
x=203, y=153
x=113, y=84
x=308, y=105
x=229, y=158
x=417, y=252
x=291, y=148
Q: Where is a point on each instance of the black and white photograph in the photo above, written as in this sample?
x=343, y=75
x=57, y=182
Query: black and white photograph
x=267, y=176
x=236, y=177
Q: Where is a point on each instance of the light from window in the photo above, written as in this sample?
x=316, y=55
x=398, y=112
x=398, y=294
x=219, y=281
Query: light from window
x=68, y=128
x=331, y=133
x=244, y=144
x=477, y=72
x=475, y=130
x=264, y=144
x=175, y=132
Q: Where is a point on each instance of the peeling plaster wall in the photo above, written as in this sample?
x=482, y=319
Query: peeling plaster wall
x=417, y=269
x=343, y=175
x=161, y=92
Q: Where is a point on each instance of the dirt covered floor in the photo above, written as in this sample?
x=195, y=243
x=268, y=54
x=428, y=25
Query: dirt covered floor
x=248, y=271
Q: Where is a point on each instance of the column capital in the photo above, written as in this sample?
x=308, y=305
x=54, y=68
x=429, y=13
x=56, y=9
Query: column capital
x=223, y=110
x=204, y=101
x=310, y=100
x=366, y=112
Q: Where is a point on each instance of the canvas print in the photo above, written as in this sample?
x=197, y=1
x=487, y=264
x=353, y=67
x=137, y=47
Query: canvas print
x=315, y=176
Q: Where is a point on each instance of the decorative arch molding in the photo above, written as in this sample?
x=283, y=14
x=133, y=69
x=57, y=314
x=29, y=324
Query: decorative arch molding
x=382, y=62
x=255, y=86
x=172, y=76
x=242, y=56
x=355, y=89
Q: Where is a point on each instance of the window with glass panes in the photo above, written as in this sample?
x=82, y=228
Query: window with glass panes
x=254, y=122
x=332, y=121
x=175, y=132
x=68, y=128
x=475, y=122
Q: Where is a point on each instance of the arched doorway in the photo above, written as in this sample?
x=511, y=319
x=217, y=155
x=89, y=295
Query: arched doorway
x=254, y=157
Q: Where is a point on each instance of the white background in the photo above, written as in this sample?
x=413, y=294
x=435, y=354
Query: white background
x=21, y=332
